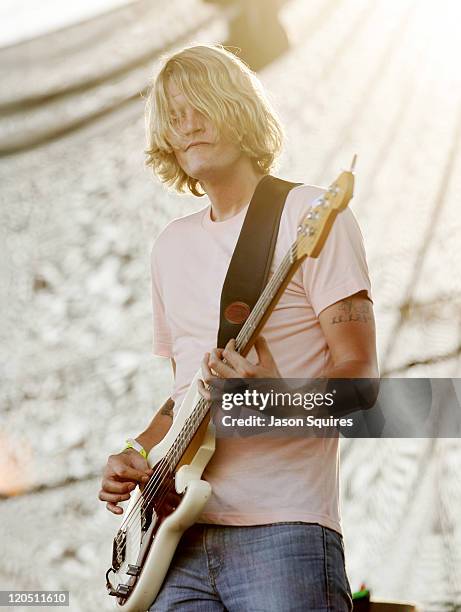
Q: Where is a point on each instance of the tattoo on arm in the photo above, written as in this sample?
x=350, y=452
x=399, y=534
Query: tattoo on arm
x=349, y=311
x=167, y=408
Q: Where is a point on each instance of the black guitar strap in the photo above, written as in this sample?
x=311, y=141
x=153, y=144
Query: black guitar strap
x=251, y=261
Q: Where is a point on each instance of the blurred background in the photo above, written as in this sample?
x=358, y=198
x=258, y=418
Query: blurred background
x=79, y=214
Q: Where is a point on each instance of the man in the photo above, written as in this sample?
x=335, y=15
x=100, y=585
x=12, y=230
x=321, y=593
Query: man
x=270, y=536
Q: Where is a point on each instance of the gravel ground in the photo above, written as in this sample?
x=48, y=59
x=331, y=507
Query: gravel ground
x=78, y=218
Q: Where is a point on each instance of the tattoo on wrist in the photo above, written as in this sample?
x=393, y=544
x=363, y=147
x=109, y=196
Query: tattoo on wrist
x=352, y=312
x=167, y=408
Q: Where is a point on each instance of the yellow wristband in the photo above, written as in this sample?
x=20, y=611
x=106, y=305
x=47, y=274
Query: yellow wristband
x=130, y=443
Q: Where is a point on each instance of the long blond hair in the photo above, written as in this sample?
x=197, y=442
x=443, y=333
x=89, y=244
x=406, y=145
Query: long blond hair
x=224, y=89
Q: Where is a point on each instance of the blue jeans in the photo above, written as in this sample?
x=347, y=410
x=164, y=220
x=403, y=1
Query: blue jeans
x=282, y=567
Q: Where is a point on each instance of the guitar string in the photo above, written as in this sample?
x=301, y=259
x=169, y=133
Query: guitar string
x=190, y=426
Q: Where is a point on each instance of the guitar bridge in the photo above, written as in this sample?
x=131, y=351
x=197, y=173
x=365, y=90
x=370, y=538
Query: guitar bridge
x=122, y=590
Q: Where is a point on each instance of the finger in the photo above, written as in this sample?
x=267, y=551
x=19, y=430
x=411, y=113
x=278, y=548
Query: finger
x=125, y=472
x=206, y=372
x=114, y=486
x=203, y=390
x=264, y=354
x=240, y=364
x=114, y=508
x=113, y=497
x=209, y=376
x=217, y=365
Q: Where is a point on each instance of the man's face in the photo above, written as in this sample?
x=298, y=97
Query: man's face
x=200, y=151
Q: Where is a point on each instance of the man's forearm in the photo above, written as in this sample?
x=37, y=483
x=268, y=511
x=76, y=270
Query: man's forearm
x=158, y=427
x=355, y=385
x=352, y=369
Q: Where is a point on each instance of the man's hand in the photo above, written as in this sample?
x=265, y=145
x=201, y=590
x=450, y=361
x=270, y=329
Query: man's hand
x=228, y=363
x=121, y=475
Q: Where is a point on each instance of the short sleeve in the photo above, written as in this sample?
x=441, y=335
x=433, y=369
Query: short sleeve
x=341, y=268
x=162, y=340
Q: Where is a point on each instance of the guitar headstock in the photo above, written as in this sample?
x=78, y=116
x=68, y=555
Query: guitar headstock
x=315, y=227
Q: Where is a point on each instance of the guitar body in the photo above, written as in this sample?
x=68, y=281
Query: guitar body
x=153, y=548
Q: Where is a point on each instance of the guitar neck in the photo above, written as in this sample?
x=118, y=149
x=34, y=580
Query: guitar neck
x=267, y=301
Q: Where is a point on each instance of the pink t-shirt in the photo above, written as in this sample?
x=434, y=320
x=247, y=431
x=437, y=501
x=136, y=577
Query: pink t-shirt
x=258, y=480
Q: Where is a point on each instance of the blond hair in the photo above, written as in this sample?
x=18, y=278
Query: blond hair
x=225, y=90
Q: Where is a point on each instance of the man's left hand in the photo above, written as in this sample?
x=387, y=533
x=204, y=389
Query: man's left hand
x=228, y=363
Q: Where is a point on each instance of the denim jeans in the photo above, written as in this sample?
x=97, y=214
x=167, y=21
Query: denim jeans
x=281, y=567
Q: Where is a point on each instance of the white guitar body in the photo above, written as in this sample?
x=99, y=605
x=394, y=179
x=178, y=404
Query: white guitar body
x=196, y=494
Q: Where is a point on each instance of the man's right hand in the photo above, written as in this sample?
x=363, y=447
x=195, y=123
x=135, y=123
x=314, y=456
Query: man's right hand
x=121, y=475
